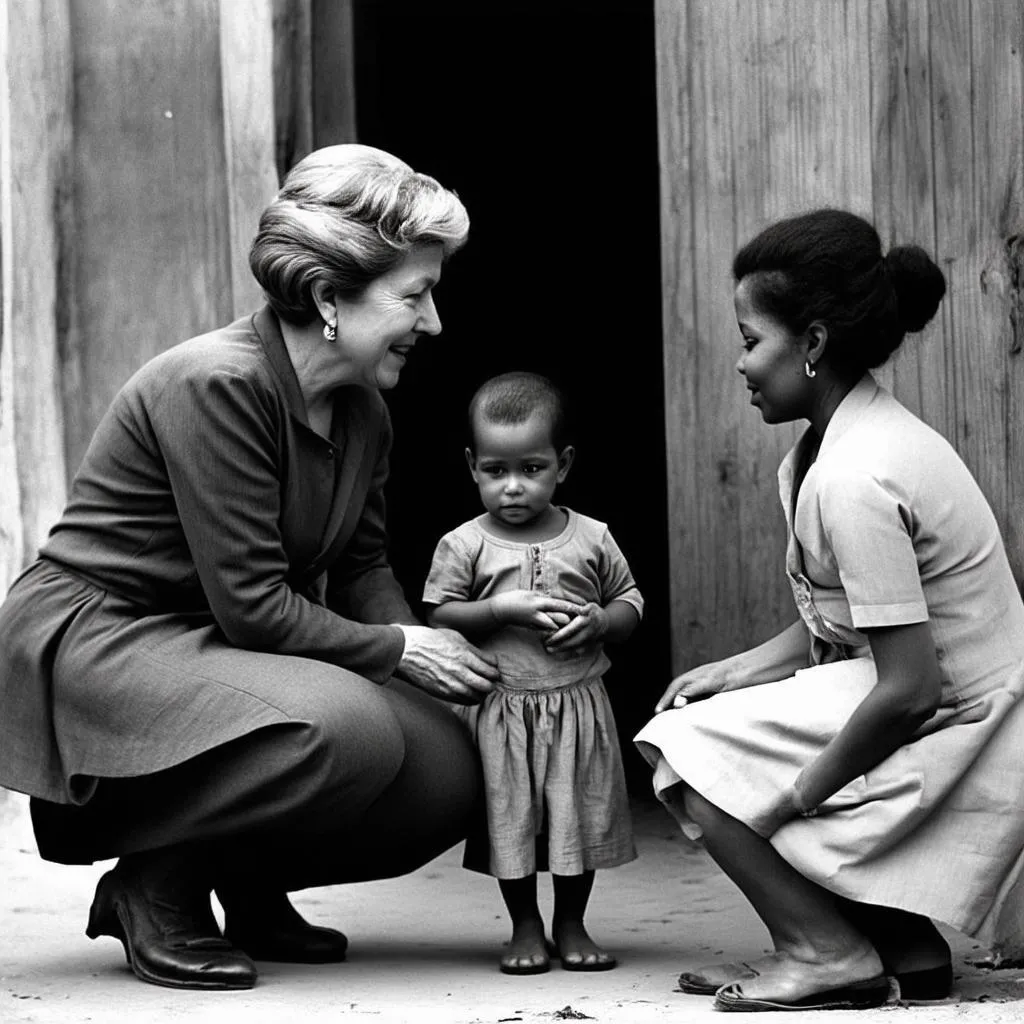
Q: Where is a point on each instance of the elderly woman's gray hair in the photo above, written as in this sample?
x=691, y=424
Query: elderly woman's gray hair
x=345, y=215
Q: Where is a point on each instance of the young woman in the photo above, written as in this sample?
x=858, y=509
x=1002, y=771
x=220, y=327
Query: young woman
x=860, y=774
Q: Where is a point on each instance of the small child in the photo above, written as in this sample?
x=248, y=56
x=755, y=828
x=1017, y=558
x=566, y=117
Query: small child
x=541, y=588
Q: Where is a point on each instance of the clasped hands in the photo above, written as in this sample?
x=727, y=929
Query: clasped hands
x=443, y=663
x=566, y=625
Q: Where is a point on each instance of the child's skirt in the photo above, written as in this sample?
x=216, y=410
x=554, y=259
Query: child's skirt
x=555, y=788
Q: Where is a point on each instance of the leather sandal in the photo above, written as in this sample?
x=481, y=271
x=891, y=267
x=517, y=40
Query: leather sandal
x=697, y=984
x=860, y=995
x=926, y=985
x=609, y=963
x=268, y=927
x=507, y=965
x=165, y=924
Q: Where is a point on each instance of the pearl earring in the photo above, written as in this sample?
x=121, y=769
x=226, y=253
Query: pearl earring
x=331, y=330
x=810, y=370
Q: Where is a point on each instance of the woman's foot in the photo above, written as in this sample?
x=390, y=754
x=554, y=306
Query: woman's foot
x=160, y=912
x=527, y=949
x=267, y=926
x=577, y=950
x=706, y=981
x=853, y=980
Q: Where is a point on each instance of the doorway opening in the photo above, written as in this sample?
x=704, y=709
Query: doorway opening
x=541, y=115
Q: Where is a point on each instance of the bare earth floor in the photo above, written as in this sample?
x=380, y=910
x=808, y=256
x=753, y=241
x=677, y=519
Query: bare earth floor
x=424, y=950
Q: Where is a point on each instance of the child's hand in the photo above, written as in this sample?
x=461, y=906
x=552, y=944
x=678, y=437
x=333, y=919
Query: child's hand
x=532, y=609
x=587, y=628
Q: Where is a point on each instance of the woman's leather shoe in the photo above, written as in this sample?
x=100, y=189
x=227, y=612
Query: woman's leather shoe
x=167, y=928
x=268, y=927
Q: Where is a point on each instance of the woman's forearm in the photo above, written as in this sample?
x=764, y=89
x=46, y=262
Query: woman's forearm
x=905, y=696
x=878, y=728
x=775, y=659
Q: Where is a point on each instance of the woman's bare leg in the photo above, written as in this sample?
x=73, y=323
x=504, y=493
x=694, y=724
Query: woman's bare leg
x=817, y=947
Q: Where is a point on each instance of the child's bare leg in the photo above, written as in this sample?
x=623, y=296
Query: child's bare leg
x=527, y=952
x=576, y=948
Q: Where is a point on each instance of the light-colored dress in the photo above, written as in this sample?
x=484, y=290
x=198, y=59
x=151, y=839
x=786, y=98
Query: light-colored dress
x=889, y=529
x=556, y=794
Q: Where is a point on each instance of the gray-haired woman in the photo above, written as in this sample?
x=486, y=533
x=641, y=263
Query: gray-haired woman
x=198, y=674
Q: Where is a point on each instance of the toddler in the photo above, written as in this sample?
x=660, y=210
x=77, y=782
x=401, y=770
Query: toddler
x=542, y=588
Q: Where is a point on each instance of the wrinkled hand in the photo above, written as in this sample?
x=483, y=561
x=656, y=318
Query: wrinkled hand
x=588, y=627
x=702, y=681
x=532, y=609
x=443, y=663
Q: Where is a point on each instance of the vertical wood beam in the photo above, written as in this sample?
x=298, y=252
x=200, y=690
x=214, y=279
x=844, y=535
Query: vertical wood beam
x=37, y=285
x=334, y=94
x=152, y=205
x=247, y=84
x=293, y=82
x=10, y=491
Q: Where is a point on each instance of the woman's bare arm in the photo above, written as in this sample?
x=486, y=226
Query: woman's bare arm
x=775, y=659
x=905, y=697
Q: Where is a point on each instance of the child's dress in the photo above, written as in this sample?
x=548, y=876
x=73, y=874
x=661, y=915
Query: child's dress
x=556, y=793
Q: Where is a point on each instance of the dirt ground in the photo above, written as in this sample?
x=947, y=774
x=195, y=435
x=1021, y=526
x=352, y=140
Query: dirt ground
x=424, y=950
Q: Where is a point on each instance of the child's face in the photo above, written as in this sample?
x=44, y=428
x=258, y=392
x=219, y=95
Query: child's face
x=517, y=469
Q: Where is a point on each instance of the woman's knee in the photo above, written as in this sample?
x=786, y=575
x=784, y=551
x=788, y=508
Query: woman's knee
x=699, y=808
x=441, y=779
x=354, y=740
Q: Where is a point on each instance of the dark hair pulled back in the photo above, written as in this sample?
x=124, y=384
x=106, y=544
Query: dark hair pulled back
x=827, y=266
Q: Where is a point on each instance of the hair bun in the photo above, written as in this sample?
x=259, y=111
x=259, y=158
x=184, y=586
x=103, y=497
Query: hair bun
x=919, y=285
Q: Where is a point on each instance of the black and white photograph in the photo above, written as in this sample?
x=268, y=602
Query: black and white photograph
x=511, y=511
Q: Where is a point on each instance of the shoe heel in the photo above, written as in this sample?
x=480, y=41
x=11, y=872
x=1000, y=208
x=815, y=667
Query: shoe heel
x=104, y=920
x=94, y=929
x=101, y=912
x=931, y=984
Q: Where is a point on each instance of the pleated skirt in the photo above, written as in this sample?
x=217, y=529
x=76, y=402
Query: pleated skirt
x=554, y=782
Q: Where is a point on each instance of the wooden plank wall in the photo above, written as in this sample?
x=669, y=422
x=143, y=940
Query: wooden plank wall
x=35, y=147
x=908, y=112
x=138, y=145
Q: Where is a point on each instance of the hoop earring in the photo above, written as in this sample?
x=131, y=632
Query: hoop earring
x=810, y=370
x=331, y=330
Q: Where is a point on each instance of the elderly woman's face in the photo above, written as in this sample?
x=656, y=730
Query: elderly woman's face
x=377, y=330
x=772, y=362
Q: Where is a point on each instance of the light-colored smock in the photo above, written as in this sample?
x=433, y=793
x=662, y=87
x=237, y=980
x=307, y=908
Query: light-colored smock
x=556, y=793
x=889, y=529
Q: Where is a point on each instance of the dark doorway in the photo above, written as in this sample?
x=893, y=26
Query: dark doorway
x=541, y=115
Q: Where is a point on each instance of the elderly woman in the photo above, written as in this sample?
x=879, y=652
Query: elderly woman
x=861, y=773
x=210, y=672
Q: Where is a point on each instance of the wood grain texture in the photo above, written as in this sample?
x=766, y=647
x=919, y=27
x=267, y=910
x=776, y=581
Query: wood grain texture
x=904, y=185
x=993, y=448
x=764, y=111
x=11, y=544
x=247, y=83
x=151, y=199
x=334, y=93
x=37, y=295
x=905, y=111
x=293, y=82
x=679, y=312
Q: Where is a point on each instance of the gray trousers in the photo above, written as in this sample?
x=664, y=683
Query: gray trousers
x=373, y=784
